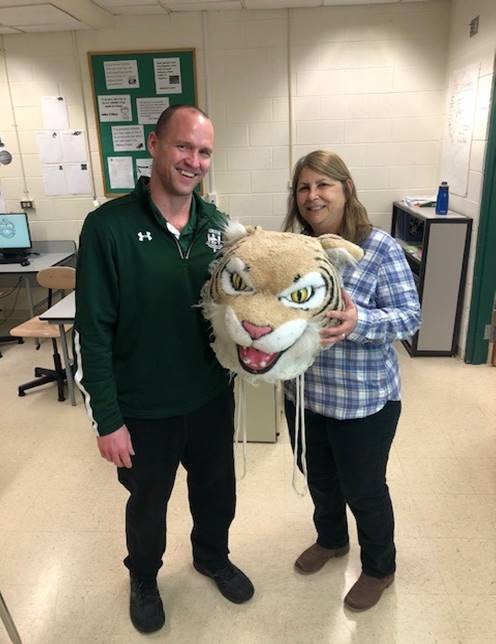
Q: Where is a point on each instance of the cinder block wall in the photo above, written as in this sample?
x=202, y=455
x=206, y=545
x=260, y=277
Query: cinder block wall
x=368, y=81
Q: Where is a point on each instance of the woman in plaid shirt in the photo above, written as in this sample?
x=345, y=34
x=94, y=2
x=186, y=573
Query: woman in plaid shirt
x=352, y=391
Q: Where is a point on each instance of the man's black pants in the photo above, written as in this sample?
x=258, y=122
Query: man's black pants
x=346, y=462
x=203, y=442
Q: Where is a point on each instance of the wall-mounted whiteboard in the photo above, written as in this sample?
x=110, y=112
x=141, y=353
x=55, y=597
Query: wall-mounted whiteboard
x=457, y=137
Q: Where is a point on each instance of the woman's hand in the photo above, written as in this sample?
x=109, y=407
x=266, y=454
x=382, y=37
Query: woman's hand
x=347, y=319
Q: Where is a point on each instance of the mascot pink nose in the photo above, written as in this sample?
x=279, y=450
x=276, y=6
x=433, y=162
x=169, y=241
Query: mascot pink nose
x=254, y=330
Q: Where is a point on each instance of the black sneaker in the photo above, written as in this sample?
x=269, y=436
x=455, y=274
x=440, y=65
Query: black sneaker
x=232, y=583
x=145, y=606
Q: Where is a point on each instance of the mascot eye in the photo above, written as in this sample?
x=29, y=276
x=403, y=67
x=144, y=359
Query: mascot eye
x=308, y=292
x=301, y=295
x=238, y=283
x=235, y=279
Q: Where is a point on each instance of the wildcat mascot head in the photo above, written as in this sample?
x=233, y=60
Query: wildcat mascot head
x=267, y=296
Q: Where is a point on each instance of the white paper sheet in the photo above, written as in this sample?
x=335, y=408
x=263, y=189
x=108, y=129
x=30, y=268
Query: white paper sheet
x=120, y=172
x=121, y=74
x=74, y=146
x=54, y=180
x=149, y=109
x=49, y=146
x=54, y=109
x=167, y=75
x=459, y=127
x=115, y=107
x=127, y=138
x=144, y=167
x=78, y=178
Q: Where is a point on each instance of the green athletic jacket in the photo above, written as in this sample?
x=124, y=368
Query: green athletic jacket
x=142, y=346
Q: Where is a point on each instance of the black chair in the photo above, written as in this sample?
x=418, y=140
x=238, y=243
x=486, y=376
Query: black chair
x=56, y=277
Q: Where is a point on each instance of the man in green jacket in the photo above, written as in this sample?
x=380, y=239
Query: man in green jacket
x=153, y=389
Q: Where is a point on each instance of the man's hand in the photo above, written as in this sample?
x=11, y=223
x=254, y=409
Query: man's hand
x=117, y=447
x=347, y=319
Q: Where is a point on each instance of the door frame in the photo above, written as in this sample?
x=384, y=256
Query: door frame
x=484, y=281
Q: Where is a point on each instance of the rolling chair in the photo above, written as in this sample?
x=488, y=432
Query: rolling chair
x=56, y=277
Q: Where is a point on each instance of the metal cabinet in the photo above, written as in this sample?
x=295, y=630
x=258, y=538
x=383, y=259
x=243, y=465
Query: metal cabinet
x=436, y=248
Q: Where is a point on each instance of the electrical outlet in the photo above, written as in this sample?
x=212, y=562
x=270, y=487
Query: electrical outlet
x=27, y=204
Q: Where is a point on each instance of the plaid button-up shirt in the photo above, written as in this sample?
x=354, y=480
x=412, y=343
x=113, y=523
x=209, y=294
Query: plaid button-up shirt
x=356, y=377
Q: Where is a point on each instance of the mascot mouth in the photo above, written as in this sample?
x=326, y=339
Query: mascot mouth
x=256, y=361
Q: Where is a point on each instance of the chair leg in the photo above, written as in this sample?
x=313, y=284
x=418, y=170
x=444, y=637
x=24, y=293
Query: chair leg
x=8, y=622
x=60, y=373
x=44, y=376
x=42, y=380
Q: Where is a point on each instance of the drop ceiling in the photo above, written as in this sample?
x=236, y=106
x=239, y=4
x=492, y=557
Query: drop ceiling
x=21, y=16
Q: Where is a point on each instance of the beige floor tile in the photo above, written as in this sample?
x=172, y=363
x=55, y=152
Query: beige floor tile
x=476, y=617
x=62, y=541
x=467, y=565
x=458, y=515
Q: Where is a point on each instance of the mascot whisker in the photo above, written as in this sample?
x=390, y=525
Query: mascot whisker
x=267, y=297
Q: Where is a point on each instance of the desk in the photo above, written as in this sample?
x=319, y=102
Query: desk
x=63, y=312
x=45, y=259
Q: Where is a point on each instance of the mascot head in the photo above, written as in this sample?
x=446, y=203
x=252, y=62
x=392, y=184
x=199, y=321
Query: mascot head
x=267, y=296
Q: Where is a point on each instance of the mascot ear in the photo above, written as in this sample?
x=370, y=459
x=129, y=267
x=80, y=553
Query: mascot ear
x=234, y=230
x=340, y=251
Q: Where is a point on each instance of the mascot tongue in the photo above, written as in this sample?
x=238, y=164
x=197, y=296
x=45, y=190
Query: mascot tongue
x=253, y=359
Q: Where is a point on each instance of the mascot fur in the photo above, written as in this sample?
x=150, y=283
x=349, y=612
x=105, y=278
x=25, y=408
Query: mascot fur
x=267, y=297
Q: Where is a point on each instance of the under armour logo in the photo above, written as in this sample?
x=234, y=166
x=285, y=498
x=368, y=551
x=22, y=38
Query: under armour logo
x=143, y=236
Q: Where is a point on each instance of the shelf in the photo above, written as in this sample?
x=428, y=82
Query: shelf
x=412, y=250
x=436, y=249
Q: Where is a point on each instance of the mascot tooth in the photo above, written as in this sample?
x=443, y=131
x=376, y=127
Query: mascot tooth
x=267, y=296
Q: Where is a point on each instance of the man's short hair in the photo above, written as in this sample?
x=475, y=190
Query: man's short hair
x=167, y=114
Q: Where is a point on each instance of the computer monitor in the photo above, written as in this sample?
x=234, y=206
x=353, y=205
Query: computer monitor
x=15, y=238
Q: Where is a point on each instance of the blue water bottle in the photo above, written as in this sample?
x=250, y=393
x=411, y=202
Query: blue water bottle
x=442, y=199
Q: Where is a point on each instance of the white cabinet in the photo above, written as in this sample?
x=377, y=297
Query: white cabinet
x=436, y=248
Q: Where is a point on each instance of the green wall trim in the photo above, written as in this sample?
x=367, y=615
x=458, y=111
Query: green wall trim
x=484, y=283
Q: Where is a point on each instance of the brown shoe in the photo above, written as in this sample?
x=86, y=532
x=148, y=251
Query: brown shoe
x=367, y=591
x=315, y=557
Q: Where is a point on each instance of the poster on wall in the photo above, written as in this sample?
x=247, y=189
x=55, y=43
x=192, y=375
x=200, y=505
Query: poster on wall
x=120, y=74
x=130, y=91
x=54, y=112
x=167, y=75
x=149, y=109
x=114, y=107
x=457, y=137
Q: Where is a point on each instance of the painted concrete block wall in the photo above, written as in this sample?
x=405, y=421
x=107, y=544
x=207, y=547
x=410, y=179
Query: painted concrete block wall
x=248, y=80
x=369, y=84
x=463, y=51
x=366, y=81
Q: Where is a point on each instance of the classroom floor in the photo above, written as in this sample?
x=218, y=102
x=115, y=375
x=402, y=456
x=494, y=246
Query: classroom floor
x=61, y=529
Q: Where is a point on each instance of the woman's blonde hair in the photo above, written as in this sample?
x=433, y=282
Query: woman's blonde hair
x=356, y=225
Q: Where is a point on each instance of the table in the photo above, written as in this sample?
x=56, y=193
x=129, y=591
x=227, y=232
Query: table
x=37, y=263
x=63, y=312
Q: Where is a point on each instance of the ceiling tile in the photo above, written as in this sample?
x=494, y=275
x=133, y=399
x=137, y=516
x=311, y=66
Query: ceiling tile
x=66, y=27
x=138, y=10
x=113, y=4
x=14, y=3
x=206, y=5
x=8, y=30
x=282, y=4
x=39, y=14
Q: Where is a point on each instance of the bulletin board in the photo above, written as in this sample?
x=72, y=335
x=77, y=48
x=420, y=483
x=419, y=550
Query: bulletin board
x=130, y=91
